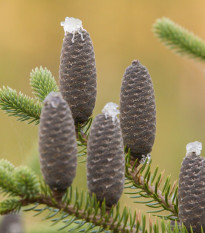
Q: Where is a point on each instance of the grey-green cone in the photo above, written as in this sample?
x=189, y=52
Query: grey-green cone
x=105, y=160
x=191, y=194
x=57, y=143
x=137, y=110
x=78, y=71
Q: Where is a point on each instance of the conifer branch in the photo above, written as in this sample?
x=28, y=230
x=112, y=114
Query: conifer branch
x=77, y=210
x=89, y=215
x=24, y=185
x=179, y=39
x=19, y=105
x=146, y=184
x=10, y=206
x=20, y=181
x=42, y=83
x=92, y=216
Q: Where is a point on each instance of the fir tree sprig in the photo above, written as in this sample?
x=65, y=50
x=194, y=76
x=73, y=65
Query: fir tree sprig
x=81, y=206
x=145, y=184
x=179, y=39
x=19, y=105
x=18, y=181
x=10, y=206
x=78, y=210
x=42, y=83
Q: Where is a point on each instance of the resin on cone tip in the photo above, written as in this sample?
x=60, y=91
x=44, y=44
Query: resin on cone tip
x=57, y=144
x=193, y=147
x=138, y=110
x=111, y=109
x=72, y=25
x=145, y=158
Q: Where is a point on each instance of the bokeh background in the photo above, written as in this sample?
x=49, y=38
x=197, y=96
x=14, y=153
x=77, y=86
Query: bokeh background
x=121, y=30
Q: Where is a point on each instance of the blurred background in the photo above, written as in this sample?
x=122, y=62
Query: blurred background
x=121, y=30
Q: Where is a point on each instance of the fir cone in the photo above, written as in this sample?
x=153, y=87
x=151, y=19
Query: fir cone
x=191, y=194
x=57, y=144
x=105, y=161
x=78, y=70
x=11, y=223
x=137, y=110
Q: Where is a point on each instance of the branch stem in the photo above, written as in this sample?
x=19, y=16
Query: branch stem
x=107, y=222
x=138, y=180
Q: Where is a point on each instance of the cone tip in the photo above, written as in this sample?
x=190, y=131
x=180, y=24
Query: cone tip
x=53, y=98
x=135, y=62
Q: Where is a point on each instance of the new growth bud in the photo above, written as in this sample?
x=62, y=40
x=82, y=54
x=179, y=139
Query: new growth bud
x=191, y=194
x=57, y=144
x=78, y=70
x=137, y=110
x=105, y=161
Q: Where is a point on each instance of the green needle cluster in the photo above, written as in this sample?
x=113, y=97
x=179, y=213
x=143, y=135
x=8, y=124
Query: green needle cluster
x=179, y=39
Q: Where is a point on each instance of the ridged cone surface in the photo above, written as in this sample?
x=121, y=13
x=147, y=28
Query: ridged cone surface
x=137, y=110
x=57, y=143
x=191, y=194
x=105, y=161
x=78, y=75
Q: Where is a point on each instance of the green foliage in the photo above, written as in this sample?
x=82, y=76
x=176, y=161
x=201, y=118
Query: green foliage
x=145, y=184
x=26, y=182
x=5, y=164
x=26, y=108
x=19, y=105
x=78, y=211
x=179, y=39
x=82, y=137
x=10, y=205
x=7, y=185
x=81, y=211
x=42, y=83
x=20, y=181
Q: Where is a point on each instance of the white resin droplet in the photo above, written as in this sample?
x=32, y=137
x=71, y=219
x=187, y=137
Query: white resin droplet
x=111, y=110
x=72, y=25
x=143, y=159
x=195, y=147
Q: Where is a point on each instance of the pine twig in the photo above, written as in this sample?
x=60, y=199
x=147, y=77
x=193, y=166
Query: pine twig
x=42, y=83
x=25, y=188
x=144, y=183
x=106, y=221
x=179, y=39
x=19, y=105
